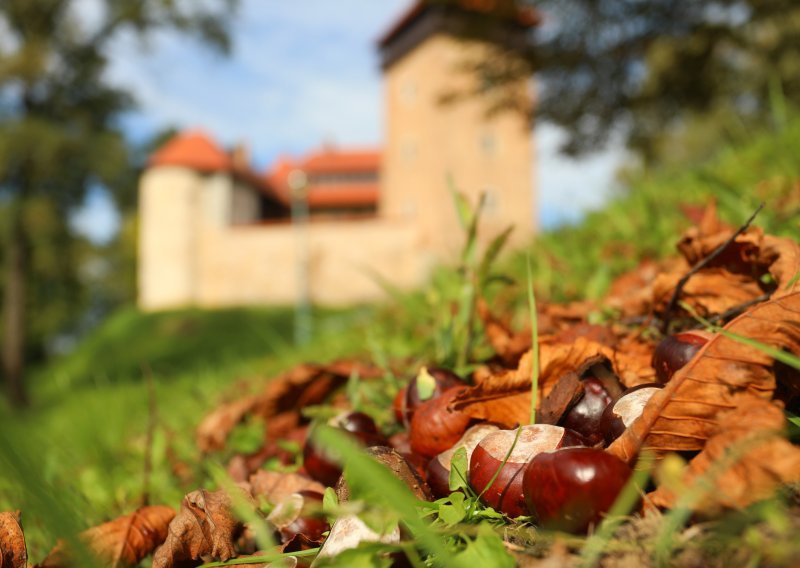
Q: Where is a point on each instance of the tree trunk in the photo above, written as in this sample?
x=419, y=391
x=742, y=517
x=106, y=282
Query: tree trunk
x=14, y=299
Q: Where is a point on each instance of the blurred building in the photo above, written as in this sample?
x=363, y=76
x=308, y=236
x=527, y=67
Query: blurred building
x=334, y=223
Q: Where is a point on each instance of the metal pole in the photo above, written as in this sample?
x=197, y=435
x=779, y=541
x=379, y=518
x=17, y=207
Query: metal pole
x=298, y=184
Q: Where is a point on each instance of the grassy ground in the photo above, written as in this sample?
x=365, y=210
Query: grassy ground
x=76, y=457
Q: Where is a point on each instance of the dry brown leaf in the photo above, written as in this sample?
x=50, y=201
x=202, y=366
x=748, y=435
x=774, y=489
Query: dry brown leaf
x=125, y=541
x=745, y=460
x=205, y=526
x=686, y=412
x=275, y=486
x=214, y=429
x=13, y=552
x=508, y=345
x=302, y=386
x=710, y=291
x=505, y=398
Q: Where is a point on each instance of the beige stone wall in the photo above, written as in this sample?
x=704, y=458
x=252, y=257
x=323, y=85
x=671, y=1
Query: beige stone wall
x=168, y=206
x=191, y=254
x=428, y=142
x=259, y=264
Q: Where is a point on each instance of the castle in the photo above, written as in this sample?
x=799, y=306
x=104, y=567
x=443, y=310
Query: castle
x=329, y=226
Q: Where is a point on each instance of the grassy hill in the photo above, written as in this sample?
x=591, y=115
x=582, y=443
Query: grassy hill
x=84, y=439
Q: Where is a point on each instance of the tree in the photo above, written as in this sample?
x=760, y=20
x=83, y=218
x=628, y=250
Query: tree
x=58, y=134
x=644, y=67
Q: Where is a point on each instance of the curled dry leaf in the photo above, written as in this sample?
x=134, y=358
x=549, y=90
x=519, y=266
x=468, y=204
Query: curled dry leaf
x=710, y=291
x=125, y=541
x=13, y=553
x=275, y=486
x=214, y=429
x=505, y=398
x=205, y=526
x=687, y=411
x=304, y=385
x=508, y=345
x=745, y=460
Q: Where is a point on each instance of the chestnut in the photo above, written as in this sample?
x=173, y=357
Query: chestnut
x=438, y=471
x=434, y=427
x=428, y=384
x=505, y=494
x=570, y=489
x=320, y=465
x=627, y=408
x=585, y=416
x=674, y=351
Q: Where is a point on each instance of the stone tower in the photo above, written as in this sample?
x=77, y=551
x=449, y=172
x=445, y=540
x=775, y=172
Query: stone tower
x=431, y=144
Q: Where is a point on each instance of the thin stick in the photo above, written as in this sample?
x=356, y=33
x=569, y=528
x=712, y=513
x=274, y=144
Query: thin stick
x=151, y=426
x=700, y=265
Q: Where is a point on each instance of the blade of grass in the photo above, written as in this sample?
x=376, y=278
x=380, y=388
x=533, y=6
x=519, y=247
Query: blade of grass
x=782, y=356
x=263, y=558
x=503, y=463
x=534, y=345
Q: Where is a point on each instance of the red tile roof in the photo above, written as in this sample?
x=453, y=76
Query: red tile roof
x=192, y=149
x=524, y=16
x=330, y=160
x=343, y=195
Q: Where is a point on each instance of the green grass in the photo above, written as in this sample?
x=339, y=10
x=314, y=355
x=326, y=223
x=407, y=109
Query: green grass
x=76, y=457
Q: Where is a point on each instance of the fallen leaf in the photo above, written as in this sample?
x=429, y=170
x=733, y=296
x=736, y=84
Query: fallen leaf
x=276, y=487
x=204, y=526
x=505, y=398
x=507, y=344
x=710, y=291
x=687, y=411
x=302, y=386
x=745, y=460
x=214, y=429
x=125, y=541
x=13, y=552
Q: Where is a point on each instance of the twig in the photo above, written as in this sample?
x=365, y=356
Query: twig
x=700, y=265
x=151, y=426
x=736, y=310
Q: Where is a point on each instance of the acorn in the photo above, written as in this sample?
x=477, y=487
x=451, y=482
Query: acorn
x=505, y=493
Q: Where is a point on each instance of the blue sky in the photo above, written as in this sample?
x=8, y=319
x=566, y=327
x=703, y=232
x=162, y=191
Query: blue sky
x=301, y=73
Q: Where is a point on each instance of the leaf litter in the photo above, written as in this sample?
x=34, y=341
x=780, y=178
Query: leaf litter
x=724, y=413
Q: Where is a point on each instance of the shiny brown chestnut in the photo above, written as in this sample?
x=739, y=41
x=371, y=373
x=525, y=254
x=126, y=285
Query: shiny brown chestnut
x=505, y=493
x=627, y=408
x=585, y=416
x=320, y=465
x=434, y=427
x=674, y=351
x=570, y=489
x=428, y=384
x=438, y=471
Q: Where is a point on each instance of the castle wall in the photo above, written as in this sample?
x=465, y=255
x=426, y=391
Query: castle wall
x=259, y=264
